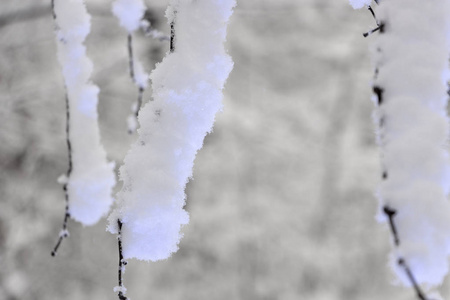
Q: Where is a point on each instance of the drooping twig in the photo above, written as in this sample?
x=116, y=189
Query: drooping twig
x=373, y=14
x=172, y=36
x=390, y=213
x=130, y=56
x=402, y=263
x=122, y=263
x=378, y=28
x=172, y=32
x=380, y=25
x=64, y=233
x=387, y=210
x=131, y=64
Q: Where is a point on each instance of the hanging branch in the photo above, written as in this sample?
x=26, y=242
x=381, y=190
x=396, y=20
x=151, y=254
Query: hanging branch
x=141, y=88
x=390, y=212
x=87, y=187
x=122, y=263
x=172, y=36
x=64, y=233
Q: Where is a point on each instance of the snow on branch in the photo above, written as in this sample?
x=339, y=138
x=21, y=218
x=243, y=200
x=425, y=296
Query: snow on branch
x=187, y=91
x=130, y=14
x=410, y=91
x=89, y=180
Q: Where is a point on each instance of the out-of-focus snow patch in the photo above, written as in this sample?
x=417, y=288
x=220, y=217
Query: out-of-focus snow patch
x=357, y=4
x=129, y=13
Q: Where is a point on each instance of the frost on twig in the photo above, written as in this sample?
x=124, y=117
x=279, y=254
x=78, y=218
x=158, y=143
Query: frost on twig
x=89, y=179
x=64, y=179
x=121, y=290
x=410, y=83
x=130, y=14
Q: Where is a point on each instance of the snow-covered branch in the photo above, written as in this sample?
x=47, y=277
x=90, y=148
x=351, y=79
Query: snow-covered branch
x=411, y=57
x=187, y=92
x=130, y=13
x=90, y=178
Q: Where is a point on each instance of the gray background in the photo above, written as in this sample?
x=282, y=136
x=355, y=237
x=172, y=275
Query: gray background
x=282, y=203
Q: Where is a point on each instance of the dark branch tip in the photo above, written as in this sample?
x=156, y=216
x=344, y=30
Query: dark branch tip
x=389, y=211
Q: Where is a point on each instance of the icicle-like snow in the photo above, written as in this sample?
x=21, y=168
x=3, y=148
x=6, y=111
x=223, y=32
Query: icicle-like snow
x=91, y=179
x=187, y=93
x=411, y=54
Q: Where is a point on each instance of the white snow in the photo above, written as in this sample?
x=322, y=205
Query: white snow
x=357, y=4
x=187, y=92
x=122, y=289
x=129, y=13
x=92, y=178
x=412, y=55
x=140, y=76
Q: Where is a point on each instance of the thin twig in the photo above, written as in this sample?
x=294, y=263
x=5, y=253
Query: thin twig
x=122, y=262
x=378, y=91
x=172, y=36
x=139, y=101
x=366, y=34
x=390, y=213
x=64, y=233
x=402, y=263
x=133, y=77
x=373, y=14
x=130, y=56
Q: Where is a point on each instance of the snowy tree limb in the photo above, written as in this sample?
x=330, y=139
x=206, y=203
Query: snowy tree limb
x=130, y=14
x=187, y=92
x=64, y=233
x=89, y=180
x=411, y=74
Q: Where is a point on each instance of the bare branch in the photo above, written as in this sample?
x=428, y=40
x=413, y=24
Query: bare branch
x=122, y=263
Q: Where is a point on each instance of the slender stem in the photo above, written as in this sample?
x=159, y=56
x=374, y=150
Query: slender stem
x=130, y=56
x=390, y=213
x=402, y=263
x=373, y=13
x=64, y=233
x=366, y=34
x=139, y=101
x=122, y=262
x=172, y=36
x=53, y=9
x=133, y=77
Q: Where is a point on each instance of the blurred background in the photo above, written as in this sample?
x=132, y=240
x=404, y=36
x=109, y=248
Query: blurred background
x=282, y=202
